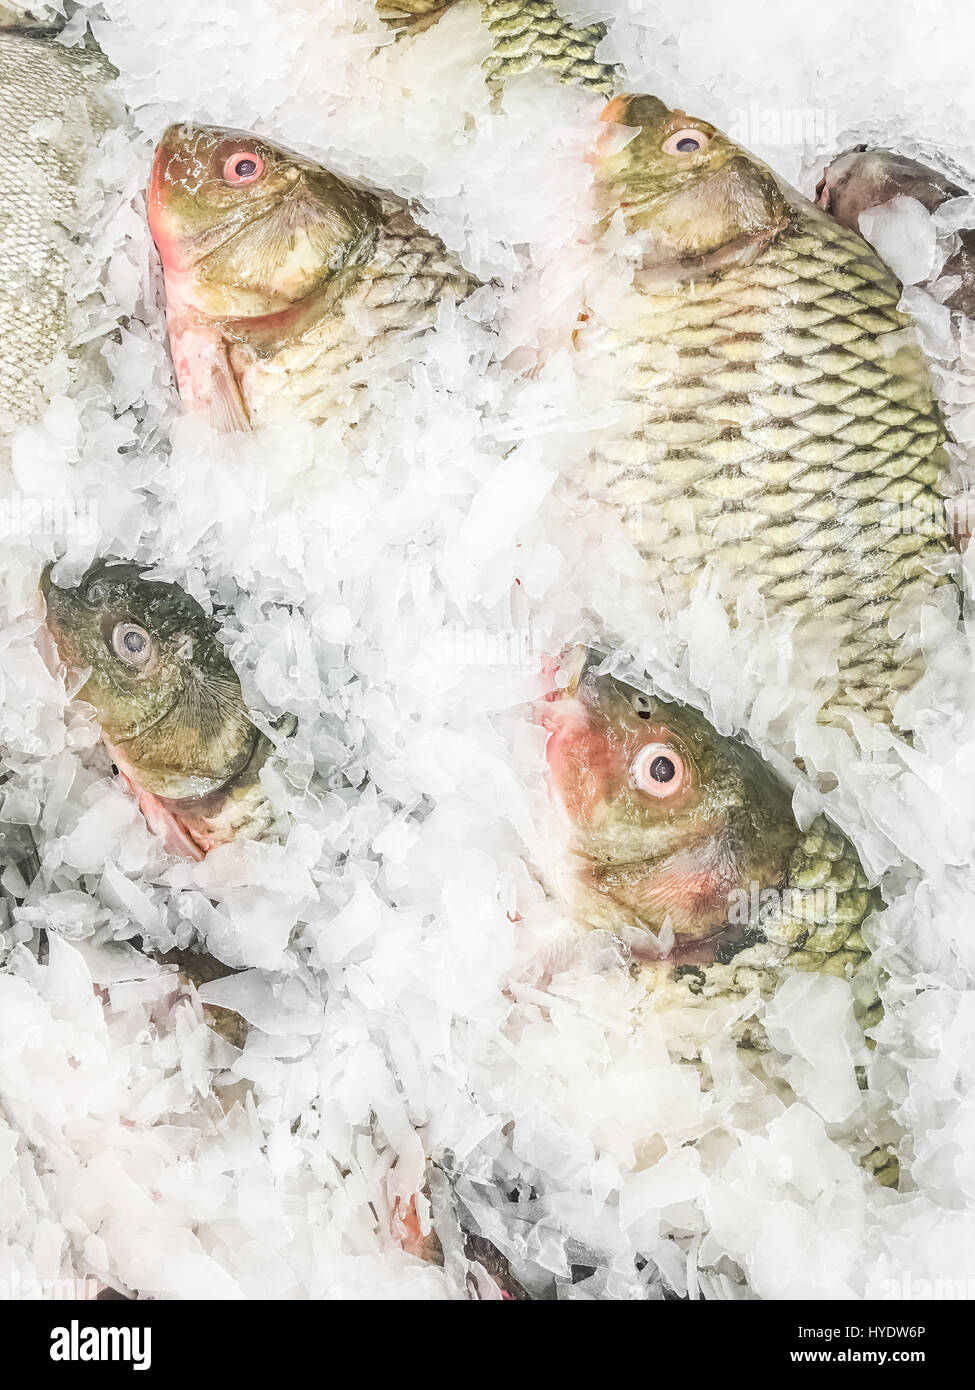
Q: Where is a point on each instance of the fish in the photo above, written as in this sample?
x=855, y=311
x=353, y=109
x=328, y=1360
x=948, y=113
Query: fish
x=54, y=104
x=862, y=178
x=169, y=703
x=283, y=279
x=528, y=34
x=778, y=420
x=682, y=842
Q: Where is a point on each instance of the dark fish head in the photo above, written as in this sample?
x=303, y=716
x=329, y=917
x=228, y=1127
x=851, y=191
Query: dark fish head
x=667, y=818
x=687, y=190
x=247, y=229
x=863, y=178
x=167, y=698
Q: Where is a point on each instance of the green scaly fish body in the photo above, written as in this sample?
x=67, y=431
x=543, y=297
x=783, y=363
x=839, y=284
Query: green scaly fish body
x=781, y=422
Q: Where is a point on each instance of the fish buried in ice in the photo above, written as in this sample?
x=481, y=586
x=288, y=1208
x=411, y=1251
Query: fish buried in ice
x=283, y=279
x=52, y=106
x=864, y=178
x=780, y=420
x=682, y=841
x=169, y=704
x=528, y=34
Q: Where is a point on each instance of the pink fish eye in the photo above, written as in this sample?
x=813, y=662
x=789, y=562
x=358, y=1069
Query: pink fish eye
x=243, y=167
x=658, y=770
x=686, y=142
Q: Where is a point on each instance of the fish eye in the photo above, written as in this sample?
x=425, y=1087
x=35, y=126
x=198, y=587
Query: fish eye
x=131, y=643
x=244, y=166
x=658, y=770
x=686, y=142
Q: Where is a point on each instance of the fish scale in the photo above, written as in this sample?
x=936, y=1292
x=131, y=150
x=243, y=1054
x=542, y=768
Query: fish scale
x=530, y=34
x=780, y=425
x=40, y=81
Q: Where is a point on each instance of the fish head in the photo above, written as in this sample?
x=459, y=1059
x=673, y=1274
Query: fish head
x=862, y=178
x=165, y=693
x=667, y=820
x=685, y=190
x=246, y=229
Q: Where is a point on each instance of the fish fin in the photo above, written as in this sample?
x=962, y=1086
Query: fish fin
x=204, y=373
x=163, y=823
x=227, y=408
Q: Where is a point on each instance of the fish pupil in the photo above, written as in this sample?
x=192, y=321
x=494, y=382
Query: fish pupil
x=244, y=168
x=134, y=642
x=687, y=145
x=662, y=769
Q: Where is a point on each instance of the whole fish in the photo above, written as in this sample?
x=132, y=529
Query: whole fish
x=780, y=420
x=683, y=843
x=528, y=34
x=283, y=279
x=52, y=106
x=864, y=178
x=169, y=703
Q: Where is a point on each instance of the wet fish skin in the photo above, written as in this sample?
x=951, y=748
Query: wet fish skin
x=41, y=81
x=279, y=290
x=169, y=703
x=716, y=853
x=785, y=429
x=864, y=178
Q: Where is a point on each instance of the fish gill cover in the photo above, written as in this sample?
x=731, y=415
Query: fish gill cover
x=411, y=1043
